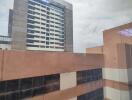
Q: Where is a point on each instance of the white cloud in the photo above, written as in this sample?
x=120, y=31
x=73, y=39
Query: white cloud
x=5, y=5
x=91, y=17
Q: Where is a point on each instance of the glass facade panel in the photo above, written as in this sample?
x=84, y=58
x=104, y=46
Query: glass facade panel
x=28, y=87
x=94, y=95
x=89, y=75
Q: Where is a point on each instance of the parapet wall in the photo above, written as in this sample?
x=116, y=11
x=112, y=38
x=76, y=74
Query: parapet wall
x=22, y=64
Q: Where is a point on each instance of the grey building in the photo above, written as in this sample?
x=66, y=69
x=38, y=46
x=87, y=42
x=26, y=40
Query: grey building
x=41, y=25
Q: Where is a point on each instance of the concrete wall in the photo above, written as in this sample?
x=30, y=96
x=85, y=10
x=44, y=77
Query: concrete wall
x=22, y=64
x=95, y=50
x=118, y=57
x=10, y=22
x=5, y=46
x=68, y=80
x=115, y=94
x=19, y=26
x=68, y=30
x=120, y=75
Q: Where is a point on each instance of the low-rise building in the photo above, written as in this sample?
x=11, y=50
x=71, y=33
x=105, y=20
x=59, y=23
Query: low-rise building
x=103, y=73
x=5, y=42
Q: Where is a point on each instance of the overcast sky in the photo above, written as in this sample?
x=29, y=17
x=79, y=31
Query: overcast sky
x=91, y=17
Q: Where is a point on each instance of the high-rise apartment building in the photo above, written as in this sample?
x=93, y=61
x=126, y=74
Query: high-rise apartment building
x=41, y=25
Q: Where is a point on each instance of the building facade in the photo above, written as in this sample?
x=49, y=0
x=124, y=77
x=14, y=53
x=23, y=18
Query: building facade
x=5, y=42
x=68, y=76
x=103, y=73
x=117, y=70
x=41, y=25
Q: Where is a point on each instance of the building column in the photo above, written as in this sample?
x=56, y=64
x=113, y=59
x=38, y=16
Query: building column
x=68, y=80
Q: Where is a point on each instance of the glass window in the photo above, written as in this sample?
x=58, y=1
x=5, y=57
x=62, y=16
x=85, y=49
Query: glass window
x=94, y=95
x=2, y=87
x=12, y=96
x=38, y=81
x=28, y=87
x=12, y=85
x=26, y=83
x=89, y=75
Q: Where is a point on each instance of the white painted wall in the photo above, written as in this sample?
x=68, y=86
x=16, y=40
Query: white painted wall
x=120, y=75
x=68, y=80
x=5, y=46
x=115, y=94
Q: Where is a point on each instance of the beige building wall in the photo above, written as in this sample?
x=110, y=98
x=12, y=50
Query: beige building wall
x=73, y=98
x=115, y=94
x=118, y=66
x=95, y=50
x=119, y=75
x=68, y=80
x=5, y=46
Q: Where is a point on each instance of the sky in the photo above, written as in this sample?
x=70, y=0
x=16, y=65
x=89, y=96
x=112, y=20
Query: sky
x=90, y=18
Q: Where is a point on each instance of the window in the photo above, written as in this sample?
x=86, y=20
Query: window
x=26, y=83
x=2, y=87
x=30, y=7
x=26, y=93
x=43, y=32
x=33, y=22
x=43, y=19
x=30, y=31
x=32, y=3
x=47, y=34
x=43, y=23
x=94, y=95
x=32, y=45
x=38, y=91
x=89, y=75
x=38, y=81
x=30, y=36
x=48, y=8
x=29, y=87
x=2, y=97
x=52, y=83
x=30, y=26
x=47, y=38
x=43, y=37
x=12, y=96
x=47, y=43
x=47, y=25
x=12, y=85
x=31, y=12
x=30, y=41
x=47, y=21
x=43, y=11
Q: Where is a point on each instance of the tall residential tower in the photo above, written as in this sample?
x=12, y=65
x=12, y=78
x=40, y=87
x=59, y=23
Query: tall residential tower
x=41, y=25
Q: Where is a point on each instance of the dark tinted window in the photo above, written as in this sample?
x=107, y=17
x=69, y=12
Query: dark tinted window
x=94, y=95
x=12, y=96
x=28, y=87
x=89, y=75
x=12, y=85
x=2, y=87
x=26, y=83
